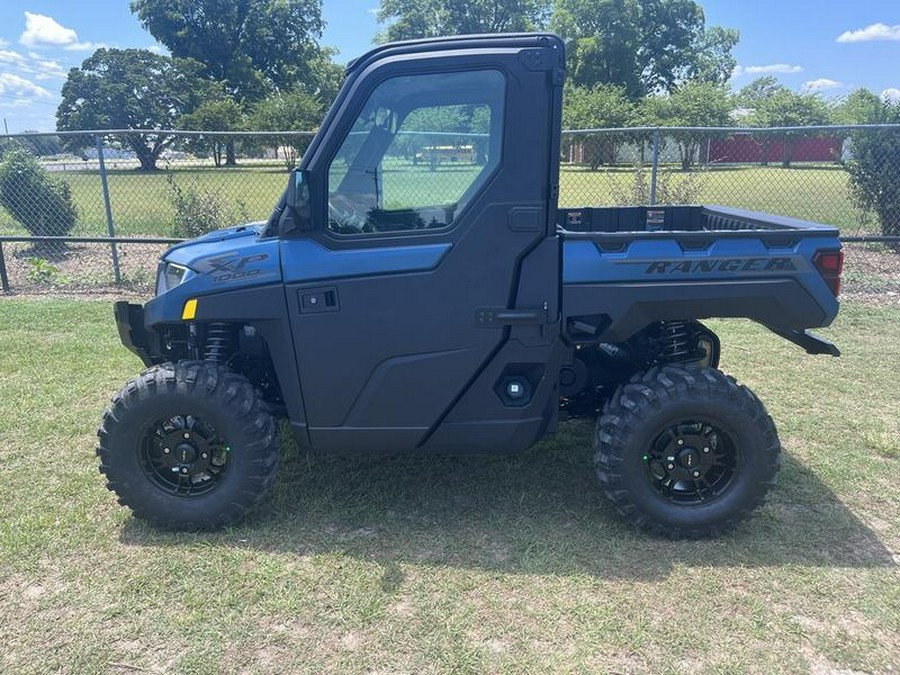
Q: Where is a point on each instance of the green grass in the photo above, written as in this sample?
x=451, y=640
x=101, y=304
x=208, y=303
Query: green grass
x=367, y=564
x=141, y=202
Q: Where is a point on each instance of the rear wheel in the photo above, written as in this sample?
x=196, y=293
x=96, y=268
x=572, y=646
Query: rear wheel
x=685, y=452
x=188, y=446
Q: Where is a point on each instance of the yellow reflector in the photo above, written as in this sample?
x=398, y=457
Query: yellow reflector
x=190, y=310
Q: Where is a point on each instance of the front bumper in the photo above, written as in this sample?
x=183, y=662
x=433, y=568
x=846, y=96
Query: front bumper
x=133, y=333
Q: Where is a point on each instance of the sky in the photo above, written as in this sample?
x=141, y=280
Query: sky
x=811, y=45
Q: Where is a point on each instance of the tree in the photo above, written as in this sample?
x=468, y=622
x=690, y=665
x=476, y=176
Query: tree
x=646, y=46
x=860, y=107
x=217, y=115
x=761, y=89
x=693, y=104
x=253, y=46
x=598, y=107
x=289, y=112
x=875, y=159
x=410, y=19
x=131, y=89
x=785, y=108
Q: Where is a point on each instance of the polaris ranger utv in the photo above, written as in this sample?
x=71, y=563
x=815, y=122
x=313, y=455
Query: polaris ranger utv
x=388, y=306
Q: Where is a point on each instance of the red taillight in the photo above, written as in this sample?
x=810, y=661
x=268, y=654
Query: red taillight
x=830, y=265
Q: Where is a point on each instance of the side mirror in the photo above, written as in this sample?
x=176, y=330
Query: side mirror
x=297, y=214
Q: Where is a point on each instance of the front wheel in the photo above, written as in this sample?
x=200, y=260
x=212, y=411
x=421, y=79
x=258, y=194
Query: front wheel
x=685, y=452
x=188, y=446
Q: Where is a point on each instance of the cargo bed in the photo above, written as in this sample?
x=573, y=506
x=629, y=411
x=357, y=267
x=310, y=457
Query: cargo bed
x=662, y=221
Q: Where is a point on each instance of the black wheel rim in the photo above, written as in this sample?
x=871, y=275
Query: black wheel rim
x=692, y=462
x=184, y=456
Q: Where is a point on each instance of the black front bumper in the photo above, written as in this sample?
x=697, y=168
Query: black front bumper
x=132, y=332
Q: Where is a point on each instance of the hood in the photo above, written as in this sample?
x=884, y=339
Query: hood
x=235, y=256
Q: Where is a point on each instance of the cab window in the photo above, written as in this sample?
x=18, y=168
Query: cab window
x=418, y=152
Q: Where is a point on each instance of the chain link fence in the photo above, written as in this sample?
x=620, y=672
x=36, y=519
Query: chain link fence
x=134, y=193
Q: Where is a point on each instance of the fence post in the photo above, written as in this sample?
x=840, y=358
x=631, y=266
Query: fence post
x=110, y=226
x=4, y=280
x=654, y=167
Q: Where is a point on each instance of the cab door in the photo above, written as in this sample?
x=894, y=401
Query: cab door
x=433, y=184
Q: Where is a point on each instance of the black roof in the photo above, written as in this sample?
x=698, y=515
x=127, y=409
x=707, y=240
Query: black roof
x=484, y=41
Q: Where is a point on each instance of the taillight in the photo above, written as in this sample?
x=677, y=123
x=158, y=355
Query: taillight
x=830, y=265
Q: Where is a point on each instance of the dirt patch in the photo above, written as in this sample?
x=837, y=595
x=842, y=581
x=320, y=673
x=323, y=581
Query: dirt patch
x=871, y=274
x=80, y=269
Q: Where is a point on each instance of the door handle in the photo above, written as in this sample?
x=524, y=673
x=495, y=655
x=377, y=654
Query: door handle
x=487, y=317
x=318, y=300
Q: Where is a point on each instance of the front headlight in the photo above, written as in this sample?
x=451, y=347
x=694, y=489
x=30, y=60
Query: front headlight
x=170, y=276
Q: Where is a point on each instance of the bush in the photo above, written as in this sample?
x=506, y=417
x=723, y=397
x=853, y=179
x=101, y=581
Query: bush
x=671, y=188
x=40, y=202
x=42, y=272
x=200, y=211
x=875, y=175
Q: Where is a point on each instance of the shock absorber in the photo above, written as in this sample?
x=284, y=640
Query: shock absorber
x=676, y=341
x=219, y=342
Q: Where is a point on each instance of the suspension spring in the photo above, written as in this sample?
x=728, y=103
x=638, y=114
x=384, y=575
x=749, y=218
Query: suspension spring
x=219, y=342
x=675, y=339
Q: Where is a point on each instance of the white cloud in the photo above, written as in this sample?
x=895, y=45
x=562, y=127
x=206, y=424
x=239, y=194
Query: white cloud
x=770, y=69
x=41, y=29
x=773, y=68
x=822, y=84
x=48, y=68
x=891, y=94
x=11, y=57
x=871, y=33
x=18, y=103
x=84, y=46
x=13, y=85
x=44, y=31
x=158, y=49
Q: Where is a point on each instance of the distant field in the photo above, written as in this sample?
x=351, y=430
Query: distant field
x=141, y=202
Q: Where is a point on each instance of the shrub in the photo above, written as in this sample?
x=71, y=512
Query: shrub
x=42, y=272
x=671, y=188
x=40, y=202
x=875, y=176
x=200, y=211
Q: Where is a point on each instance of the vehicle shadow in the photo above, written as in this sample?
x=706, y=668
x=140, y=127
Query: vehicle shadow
x=538, y=513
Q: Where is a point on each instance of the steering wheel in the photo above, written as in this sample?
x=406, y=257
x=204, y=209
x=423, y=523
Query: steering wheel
x=349, y=213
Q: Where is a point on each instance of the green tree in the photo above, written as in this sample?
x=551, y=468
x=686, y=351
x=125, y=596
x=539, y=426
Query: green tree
x=694, y=104
x=761, y=89
x=875, y=159
x=603, y=106
x=252, y=46
x=785, y=108
x=289, y=112
x=216, y=115
x=131, y=89
x=646, y=46
x=860, y=107
x=409, y=19
x=40, y=202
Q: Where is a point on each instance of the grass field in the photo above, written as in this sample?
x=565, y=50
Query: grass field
x=407, y=565
x=141, y=202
